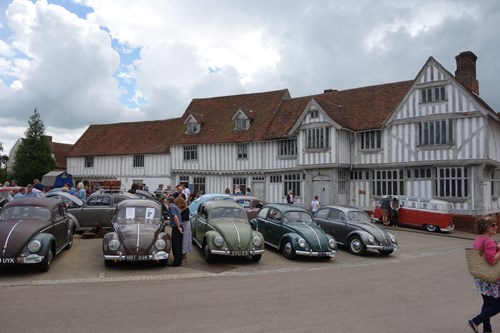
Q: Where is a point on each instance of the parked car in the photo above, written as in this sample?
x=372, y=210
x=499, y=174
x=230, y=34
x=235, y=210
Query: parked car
x=137, y=234
x=193, y=207
x=291, y=229
x=221, y=228
x=251, y=204
x=354, y=228
x=430, y=214
x=33, y=231
x=97, y=211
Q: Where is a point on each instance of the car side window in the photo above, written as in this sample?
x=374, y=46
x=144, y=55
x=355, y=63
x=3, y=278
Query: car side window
x=99, y=201
x=203, y=213
x=258, y=204
x=335, y=214
x=342, y=216
x=57, y=213
x=323, y=213
x=263, y=213
x=274, y=215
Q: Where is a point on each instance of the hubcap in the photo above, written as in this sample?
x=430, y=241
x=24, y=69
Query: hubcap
x=288, y=248
x=356, y=245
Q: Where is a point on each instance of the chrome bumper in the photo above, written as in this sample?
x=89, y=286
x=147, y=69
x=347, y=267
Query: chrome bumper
x=237, y=253
x=161, y=255
x=330, y=254
x=383, y=248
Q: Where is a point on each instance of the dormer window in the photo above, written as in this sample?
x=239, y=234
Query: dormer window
x=192, y=125
x=314, y=113
x=241, y=124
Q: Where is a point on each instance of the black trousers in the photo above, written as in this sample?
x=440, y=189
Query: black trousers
x=176, y=246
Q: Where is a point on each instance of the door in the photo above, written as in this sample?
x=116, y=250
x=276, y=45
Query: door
x=60, y=223
x=321, y=187
x=258, y=189
x=98, y=210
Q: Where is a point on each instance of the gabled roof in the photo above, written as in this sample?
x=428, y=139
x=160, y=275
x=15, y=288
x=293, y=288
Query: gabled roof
x=355, y=109
x=60, y=152
x=218, y=112
x=144, y=137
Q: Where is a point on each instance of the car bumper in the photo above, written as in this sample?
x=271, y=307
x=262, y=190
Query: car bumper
x=448, y=229
x=229, y=253
x=30, y=259
x=382, y=248
x=330, y=254
x=161, y=255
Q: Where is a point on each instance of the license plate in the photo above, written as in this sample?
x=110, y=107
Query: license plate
x=8, y=260
x=138, y=258
x=238, y=253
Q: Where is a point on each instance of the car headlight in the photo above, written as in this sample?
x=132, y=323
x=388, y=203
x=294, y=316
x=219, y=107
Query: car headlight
x=393, y=238
x=302, y=242
x=371, y=238
x=114, y=244
x=34, y=246
x=332, y=243
x=257, y=241
x=160, y=244
x=218, y=241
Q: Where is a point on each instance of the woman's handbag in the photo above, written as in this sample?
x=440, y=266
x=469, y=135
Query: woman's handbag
x=479, y=267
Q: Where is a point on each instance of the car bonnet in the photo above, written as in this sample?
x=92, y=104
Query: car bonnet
x=237, y=233
x=137, y=238
x=314, y=236
x=14, y=233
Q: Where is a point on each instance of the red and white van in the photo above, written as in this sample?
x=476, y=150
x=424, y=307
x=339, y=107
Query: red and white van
x=430, y=214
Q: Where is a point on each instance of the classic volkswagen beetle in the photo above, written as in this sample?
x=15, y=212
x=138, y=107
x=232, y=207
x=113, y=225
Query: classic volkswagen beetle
x=291, y=230
x=137, y=234
x=33, y=231
x=354, y=228
x=220, y=227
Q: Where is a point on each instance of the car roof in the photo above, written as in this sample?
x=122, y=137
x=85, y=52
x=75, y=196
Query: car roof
x=49, y=203
x=66, y=195
x=245, y=197
x=343, y=208
x=212, y=204
x=136, y=202
x=286, y=207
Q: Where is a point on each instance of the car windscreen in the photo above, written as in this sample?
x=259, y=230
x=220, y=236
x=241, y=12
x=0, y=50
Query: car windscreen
x=25, y=212
x=128, y=215
x=297, y=216
x=227, y=213
x=358, y=216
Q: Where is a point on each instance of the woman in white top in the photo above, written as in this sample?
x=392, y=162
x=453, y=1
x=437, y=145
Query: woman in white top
x=315, y=204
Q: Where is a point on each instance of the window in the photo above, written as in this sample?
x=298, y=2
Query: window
x=452, y=183
x=275, y=179
x=435, y=94
x=287, y=147
x=318, y=138
x=198, y=184
x=190, y=152
x=371, y=140
x=242, y=150
x=193, y=127
x=422, y=173
x=89, y=161
x=138, y=161
x=388, y=182
x=342, y=180
x=357, y=174
x=241, y=182
x=314, y=113
x=495, y=183
x=292, y=182
x=439, y=132
x=241, y=124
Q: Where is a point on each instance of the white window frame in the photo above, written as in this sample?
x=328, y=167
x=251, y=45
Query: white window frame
x=89, y=162
x=371, y=140
x=435, y=132
x=138, y=161
x=190, y=152
x=388, y=182
x=452, y=182
x=287, y=147
x=242, y=150
x=318, y=138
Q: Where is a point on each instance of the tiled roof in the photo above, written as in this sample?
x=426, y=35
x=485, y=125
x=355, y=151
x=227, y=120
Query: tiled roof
x=144, y=137
x=356, y=109
x=216, y=115
x=60, y=152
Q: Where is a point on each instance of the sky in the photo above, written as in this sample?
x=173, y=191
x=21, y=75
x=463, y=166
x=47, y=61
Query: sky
x=84, y=62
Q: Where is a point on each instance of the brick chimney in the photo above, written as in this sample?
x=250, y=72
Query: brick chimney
x=466, y=70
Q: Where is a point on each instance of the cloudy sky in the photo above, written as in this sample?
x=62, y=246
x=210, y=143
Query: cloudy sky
x=82, y=62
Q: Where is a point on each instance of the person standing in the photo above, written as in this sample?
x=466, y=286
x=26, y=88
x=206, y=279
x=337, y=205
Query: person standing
x=315, y=205
x=176, y=225
x=395, y=212
x=19, y=194
x=178, y=192
x=81, y=192
x=29, y=192
x=187, y=245
x=290, y=198
x=490, y=292
x=385, y=205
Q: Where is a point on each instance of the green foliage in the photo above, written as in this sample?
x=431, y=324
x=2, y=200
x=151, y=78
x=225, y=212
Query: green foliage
x=33, y=157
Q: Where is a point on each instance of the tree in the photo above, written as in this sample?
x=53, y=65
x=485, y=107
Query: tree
x=33, y=157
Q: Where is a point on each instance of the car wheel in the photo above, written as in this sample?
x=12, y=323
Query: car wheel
x=45, y=264
x=356, y=246
x=108, y=263
x=431, y=227
x=287, y=249
x=70, y=239
x=385, y=252
x=256, y=258
x=163, y=262
x=209, y=257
